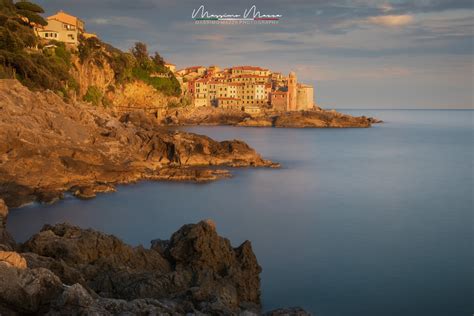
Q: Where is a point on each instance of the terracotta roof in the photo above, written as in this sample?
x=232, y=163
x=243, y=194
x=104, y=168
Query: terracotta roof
x=205, y=80
x=62, y=16
x=235, y=99
x=195, y=67
x=248, y=68
x=279, y=92
x=251, y=76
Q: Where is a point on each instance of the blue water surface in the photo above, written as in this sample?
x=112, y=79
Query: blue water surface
x=372, y=221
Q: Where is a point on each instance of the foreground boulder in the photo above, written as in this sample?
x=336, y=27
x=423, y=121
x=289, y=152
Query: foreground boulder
x=66, y=270
x=196, y=270
x=48, y=147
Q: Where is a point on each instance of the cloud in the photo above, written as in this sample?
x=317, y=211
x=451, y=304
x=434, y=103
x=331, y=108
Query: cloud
x=99, y=21
x=210, y=37
x=122, y=21
x=348, y=71
x=386, y=7
x=391, y=20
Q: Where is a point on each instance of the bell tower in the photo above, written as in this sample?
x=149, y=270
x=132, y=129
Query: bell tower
x=292, y=81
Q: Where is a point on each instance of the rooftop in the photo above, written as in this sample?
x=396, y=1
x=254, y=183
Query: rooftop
x=66, y=18
x=248, y=68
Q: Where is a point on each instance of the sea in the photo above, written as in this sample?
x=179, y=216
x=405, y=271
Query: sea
x=375, y=221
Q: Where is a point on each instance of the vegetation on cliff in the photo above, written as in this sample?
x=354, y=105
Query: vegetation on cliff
x=19, y=56
x=41, y=64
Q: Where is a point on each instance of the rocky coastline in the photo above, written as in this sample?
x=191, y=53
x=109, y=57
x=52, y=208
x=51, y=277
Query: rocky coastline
x=49, y=147
x=317, y=118
x=66, y=270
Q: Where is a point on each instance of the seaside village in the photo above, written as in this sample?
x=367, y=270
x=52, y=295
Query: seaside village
x=248, y=88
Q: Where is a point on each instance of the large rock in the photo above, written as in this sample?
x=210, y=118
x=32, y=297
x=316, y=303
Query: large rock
x=13, y=259
x=27, y=291
x=221, y=274
x=196, y=267
x=6, y=240
x=66, y=270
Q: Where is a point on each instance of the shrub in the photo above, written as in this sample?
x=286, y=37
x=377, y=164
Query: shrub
x=3, y=19
x=140, y=51
x=62, y=53
x=7, y=6
x=122, y=65
x=10, y=42
x=169, y=86
x=93, y=95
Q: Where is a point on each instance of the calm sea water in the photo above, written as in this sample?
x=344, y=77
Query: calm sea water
x=357, y=222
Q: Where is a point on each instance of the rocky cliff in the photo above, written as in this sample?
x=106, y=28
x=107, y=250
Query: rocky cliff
x=48, y=147
x=302, y=119
x=98, y=73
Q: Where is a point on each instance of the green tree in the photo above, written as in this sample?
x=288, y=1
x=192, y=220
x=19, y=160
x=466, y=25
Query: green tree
x=28, y=6
x=140, y=51
x=158, y=60
x=33, y=17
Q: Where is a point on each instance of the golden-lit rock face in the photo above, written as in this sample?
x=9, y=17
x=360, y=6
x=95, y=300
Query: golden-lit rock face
x=48, y=147
x=12, y=259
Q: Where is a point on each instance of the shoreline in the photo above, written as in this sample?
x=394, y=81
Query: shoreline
x=317, y=118
x=51, y=147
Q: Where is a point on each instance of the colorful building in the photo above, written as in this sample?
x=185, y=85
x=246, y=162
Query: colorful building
x=63, y=27
x=246, y=87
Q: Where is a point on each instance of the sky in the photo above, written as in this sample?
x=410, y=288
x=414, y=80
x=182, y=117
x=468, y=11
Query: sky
x=357, y=54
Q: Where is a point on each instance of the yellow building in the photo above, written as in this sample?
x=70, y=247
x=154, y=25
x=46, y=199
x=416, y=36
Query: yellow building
x=249, y=70
x=250, y=87
x=229, y=103
x=200, y=70
x=63, y=27
x=304, y=97
x=292, y=92
x=201, y=93
x=171, y=67
x=213, y=69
